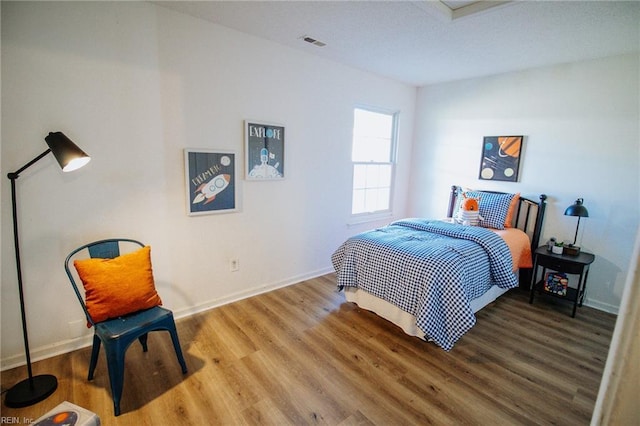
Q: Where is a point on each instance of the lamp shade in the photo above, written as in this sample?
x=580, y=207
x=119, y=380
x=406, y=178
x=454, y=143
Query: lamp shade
x=577, y=209
x=67, y=153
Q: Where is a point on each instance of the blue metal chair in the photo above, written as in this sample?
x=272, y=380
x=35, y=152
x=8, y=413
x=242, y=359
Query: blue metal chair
x=117, y=334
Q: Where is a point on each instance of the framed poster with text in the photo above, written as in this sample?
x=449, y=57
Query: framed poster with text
x=264, y=151
x=211, y=181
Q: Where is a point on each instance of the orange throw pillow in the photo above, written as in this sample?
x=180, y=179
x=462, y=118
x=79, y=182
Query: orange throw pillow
x=512, y=210
x=118, y=286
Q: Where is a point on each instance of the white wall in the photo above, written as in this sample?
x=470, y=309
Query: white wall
x=134, y=84
x=581, y=128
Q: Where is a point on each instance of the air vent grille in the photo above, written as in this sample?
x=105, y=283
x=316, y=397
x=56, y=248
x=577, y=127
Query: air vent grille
x=313, y=41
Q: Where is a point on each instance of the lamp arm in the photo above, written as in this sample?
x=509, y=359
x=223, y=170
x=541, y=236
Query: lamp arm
x=19, y=270
x=15, y=175
x=577, y=227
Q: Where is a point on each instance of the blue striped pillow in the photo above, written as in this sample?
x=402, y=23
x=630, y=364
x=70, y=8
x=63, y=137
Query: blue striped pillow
x=493, y=208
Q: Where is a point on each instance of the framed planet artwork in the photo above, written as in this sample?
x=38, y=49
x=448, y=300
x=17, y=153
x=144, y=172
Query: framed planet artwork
x=501, y=158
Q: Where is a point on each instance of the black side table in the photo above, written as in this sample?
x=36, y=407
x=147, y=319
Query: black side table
x=562, y=263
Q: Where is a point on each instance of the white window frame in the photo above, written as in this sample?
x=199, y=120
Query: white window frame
x=356, y=218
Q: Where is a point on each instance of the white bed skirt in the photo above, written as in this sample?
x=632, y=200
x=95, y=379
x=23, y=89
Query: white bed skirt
x=402, y=319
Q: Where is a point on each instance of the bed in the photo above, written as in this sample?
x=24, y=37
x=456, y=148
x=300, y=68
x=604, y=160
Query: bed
x=429, y=277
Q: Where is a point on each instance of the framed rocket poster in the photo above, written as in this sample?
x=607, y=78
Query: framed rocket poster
x=211, y=181
x=501, y=158
x=264, y=151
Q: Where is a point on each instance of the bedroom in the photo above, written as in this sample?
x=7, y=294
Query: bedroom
x=135, y=83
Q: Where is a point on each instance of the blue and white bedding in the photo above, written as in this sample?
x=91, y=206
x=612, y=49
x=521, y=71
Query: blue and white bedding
x=429, y=269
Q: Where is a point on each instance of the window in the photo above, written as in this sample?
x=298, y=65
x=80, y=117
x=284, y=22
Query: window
x=373, y=157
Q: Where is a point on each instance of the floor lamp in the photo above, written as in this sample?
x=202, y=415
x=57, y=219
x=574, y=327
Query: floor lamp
x=70, y=157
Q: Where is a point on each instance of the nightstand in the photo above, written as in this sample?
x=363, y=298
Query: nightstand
x=561, y=263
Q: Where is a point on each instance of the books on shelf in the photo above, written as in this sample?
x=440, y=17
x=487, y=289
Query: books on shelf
x=556, y=283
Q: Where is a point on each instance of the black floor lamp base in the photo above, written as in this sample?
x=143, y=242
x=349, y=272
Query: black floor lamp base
x=30, y=391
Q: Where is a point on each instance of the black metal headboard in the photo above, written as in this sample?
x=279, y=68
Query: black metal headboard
x=529, y=215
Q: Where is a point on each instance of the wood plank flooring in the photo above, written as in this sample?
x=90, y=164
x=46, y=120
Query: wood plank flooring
x=301, y=355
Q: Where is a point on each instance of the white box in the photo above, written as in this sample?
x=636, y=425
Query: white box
x=67, y=413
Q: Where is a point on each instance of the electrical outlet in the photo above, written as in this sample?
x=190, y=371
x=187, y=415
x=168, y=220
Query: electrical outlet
x=234, y=265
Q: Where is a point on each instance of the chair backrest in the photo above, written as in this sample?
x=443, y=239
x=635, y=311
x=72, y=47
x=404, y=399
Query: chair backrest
x=104, y=249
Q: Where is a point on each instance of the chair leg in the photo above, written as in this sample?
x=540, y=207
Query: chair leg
x=94, y=356
x=178, y=349
x=143, y=342
x=115, y=363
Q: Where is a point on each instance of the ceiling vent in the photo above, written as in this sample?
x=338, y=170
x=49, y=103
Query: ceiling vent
x=313, y=41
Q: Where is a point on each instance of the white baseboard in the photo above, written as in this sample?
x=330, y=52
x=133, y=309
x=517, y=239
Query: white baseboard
x=606, y=307
x=48, y=351
x=264, y=288
x=71, y=345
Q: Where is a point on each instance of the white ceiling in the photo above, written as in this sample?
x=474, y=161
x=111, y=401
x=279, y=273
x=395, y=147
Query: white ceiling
x=425, y=42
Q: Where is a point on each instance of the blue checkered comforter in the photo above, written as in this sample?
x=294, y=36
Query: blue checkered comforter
x=430, y=269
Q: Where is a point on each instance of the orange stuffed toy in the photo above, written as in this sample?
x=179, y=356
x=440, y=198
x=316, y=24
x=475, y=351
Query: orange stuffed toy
x=469, y=212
